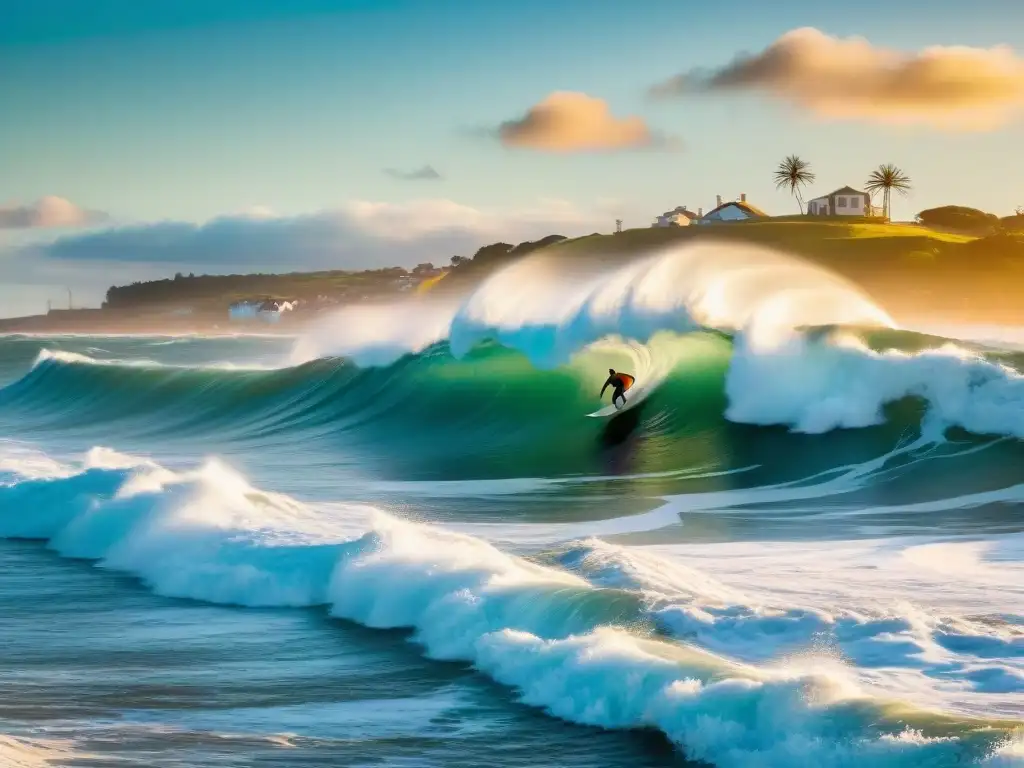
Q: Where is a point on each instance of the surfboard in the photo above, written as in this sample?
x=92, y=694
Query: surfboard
x=634, y=395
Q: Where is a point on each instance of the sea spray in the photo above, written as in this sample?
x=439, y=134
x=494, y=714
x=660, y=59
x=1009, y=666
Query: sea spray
x=550, y=309
x=839, y=382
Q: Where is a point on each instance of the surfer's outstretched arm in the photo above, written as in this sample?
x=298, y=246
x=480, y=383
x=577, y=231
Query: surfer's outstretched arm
x=606, y=385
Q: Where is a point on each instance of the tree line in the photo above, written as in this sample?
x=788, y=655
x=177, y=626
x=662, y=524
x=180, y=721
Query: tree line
x=295, y=285
x=301, y=285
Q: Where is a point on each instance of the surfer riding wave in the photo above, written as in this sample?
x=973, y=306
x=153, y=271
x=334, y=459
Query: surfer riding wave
x=619, y=382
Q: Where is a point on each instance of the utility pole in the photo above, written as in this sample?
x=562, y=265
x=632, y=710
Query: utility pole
x=618, y=226
x=70, y=303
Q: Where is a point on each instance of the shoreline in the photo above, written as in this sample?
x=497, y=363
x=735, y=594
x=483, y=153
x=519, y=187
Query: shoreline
x=910, y=320
x=42, y=325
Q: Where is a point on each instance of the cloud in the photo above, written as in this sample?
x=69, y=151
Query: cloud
x=849, y=78
x=48, y=212
x=426, y=173
x=359, y=235
x=575, y=122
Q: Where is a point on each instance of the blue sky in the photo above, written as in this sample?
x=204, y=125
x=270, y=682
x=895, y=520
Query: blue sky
x=189, y=110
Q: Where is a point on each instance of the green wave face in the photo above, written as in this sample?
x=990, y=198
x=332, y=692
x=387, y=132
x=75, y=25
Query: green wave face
x=490, y=414
x=491, y=410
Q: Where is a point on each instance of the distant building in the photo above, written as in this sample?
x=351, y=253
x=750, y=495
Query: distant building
x=266, y=310
x=735, y=210
x=845, y=201
x=677, y=217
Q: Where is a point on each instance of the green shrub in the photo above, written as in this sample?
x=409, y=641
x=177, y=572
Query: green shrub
x=958, y=217
x=1013, y=223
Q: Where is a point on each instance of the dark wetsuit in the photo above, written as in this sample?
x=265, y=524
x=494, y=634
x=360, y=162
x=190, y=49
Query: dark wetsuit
x=619, y=387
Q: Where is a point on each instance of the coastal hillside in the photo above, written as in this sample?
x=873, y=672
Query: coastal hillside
x=914, y=271
x=911, y=269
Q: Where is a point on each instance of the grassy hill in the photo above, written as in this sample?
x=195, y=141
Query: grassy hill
x=825, y=241
x=915, y=272
x=910, y=269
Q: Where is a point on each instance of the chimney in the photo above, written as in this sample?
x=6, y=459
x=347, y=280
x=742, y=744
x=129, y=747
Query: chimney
x=743, y=197
x=700, y=212
x=718, y=201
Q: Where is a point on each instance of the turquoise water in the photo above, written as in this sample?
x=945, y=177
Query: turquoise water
x=407, y=545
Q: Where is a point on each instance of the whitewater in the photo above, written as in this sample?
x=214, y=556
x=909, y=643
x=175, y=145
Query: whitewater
x=397, y=539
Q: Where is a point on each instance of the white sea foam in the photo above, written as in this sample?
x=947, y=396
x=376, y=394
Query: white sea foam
x=816, y=387
x=376, y=334
x=557, y=633
x=76, y=358
x=937, y=622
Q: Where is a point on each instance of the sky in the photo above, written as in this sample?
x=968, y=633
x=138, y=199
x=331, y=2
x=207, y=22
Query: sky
x=142, y=139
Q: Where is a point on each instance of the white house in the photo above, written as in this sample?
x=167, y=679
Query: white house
x=735, y=210
x=845, y=201
x=677, y=217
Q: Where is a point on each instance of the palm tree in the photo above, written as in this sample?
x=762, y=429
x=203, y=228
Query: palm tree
x=884, y=179
x=794, y=172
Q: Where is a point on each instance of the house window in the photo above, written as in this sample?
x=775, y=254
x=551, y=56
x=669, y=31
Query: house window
x=840, y=202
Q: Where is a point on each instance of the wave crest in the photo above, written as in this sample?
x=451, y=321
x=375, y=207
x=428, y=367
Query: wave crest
x=551, y=309
x=576, y=649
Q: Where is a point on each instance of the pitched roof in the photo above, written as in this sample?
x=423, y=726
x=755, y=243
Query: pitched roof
x=681, y=210
x=753, y=210
x=845, y=191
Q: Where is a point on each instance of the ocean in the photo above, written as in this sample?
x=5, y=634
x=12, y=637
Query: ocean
x=396, y=539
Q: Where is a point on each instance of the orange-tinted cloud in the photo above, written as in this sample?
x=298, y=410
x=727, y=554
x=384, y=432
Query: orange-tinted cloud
x=47, y=212
x=849, y=78
x=574, y=122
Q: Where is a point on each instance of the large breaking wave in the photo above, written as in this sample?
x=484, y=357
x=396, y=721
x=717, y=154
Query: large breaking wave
x=749, y=335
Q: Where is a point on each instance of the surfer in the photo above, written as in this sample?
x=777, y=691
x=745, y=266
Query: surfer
x=619, y=382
